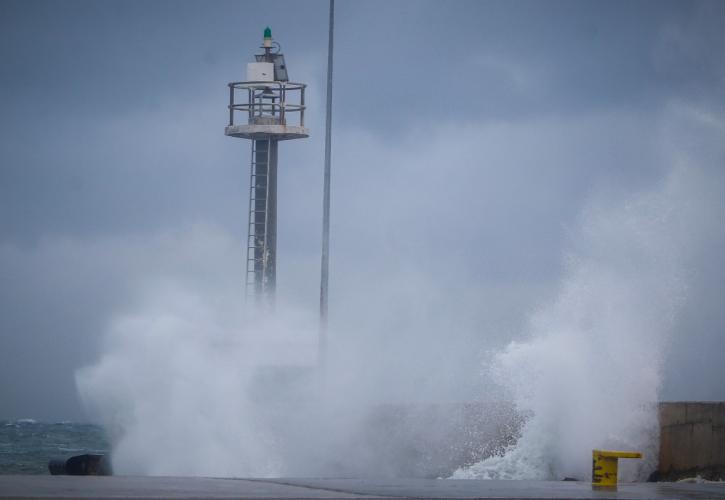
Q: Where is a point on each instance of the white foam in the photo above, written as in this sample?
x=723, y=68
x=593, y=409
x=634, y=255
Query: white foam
x=591, y=367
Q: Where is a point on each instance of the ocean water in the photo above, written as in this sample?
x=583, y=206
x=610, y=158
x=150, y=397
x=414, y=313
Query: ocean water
x=27, y=445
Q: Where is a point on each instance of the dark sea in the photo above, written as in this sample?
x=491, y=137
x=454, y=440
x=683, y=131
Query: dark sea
x=26, y=446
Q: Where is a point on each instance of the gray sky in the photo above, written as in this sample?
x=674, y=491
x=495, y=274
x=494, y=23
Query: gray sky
x=468, y=139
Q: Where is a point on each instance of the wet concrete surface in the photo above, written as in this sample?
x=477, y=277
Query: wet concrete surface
x=196, y=487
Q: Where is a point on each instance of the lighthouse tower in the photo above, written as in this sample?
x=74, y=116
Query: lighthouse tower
x=266, y=108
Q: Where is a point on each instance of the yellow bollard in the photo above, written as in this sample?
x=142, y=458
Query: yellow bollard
x=604, y=467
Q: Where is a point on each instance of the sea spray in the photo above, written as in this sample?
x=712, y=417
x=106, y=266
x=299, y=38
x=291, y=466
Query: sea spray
x=188, y=386
x=184, y=383
x=591, y=367
x=174, y=387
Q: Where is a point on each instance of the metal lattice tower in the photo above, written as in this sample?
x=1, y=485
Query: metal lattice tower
x=274, y=110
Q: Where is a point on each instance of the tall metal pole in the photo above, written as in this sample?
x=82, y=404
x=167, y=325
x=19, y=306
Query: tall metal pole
x=325, y=267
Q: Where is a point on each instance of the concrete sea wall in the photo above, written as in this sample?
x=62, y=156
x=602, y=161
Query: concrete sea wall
x=692, y=440
x=430, y=441
x=434, y=440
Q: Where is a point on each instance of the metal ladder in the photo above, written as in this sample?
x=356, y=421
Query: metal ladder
x=257, y=250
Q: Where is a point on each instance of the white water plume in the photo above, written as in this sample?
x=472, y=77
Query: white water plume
x=173, y=388
x=590, y=371
x=186, y=385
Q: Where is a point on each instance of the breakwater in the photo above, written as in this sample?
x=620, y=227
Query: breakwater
x=692, y=440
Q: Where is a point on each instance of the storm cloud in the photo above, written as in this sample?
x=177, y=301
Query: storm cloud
x=468, y=139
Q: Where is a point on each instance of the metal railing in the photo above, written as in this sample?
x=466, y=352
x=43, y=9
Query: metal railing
x=267, y=103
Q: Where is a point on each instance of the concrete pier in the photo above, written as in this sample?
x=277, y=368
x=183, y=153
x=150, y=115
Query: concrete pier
x=692, y=439
x=54, y=487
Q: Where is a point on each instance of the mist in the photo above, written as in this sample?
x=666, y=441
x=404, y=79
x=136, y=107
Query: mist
x=190, y=383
